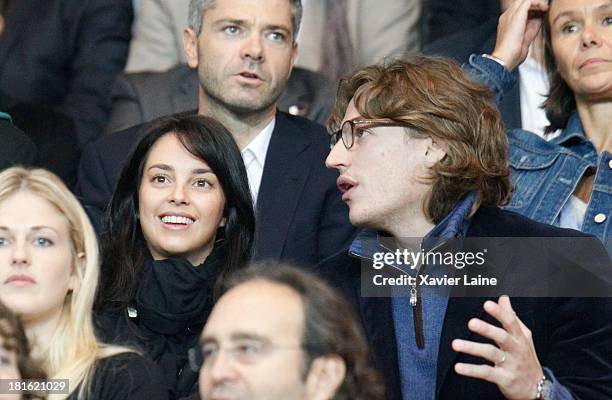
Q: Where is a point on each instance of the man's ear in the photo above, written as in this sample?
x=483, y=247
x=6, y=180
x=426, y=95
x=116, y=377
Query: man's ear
x=190, y=42
x=325, y=377
x=294, y=53
x=434, y=153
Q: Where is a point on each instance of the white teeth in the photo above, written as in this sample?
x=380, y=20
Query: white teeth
x=175, y=219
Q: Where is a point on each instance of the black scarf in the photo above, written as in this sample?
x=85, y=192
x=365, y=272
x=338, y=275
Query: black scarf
x=173, y=302
x=173, y=295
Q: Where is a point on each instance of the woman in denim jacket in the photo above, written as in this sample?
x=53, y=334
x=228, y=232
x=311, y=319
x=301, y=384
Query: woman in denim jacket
x=566, y=181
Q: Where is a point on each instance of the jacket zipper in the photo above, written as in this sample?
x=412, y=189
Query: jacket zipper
x=417, y=305
x=415, y=301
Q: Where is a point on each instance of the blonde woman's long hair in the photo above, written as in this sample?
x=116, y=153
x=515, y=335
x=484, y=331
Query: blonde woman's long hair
x=73, y=350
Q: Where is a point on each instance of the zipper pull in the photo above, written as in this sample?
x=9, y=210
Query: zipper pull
x=413, y=297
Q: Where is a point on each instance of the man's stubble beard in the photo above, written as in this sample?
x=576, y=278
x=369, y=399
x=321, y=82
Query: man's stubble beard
x=235, y=104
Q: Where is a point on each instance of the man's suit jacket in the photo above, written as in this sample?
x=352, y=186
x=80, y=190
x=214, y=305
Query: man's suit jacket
x=143, y=96
x=461, y=45
x=300, y=216
x=572, y=336
x=65, y=54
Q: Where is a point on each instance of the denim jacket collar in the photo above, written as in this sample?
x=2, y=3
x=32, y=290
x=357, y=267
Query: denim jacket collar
x=572, y=130
x=573, y=137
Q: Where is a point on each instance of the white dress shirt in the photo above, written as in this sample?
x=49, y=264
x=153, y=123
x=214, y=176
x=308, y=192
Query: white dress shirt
x=533, y=88
x=254, y=157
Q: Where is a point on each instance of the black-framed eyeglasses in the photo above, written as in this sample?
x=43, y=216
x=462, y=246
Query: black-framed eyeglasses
x=356, y=127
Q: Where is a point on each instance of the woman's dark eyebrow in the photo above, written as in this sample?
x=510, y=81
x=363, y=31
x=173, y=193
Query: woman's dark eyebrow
x=564, y=14
x=569, y=13
x=164, y=167
x=199, y=171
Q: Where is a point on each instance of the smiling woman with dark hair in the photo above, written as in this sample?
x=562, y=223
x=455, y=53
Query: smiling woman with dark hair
x=180, y=220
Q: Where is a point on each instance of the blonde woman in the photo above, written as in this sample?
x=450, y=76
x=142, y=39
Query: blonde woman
x=48, y=276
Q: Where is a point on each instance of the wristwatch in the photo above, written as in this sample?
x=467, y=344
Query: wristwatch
x=544, y=388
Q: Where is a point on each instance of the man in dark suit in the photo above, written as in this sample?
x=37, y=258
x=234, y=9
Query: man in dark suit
x=243, y=51
x=423, y=168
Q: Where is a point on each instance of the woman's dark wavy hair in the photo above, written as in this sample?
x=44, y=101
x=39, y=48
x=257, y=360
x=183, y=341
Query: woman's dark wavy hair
x=124, y=249
x=560, y=103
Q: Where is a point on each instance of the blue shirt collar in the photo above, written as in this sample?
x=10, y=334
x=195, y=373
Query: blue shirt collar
x=454, y=225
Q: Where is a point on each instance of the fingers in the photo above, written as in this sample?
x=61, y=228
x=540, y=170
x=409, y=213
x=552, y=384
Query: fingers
x=539, y=5
x=484, y=329
x=516, y=29
x=503, y=312
x=482, y=350
x=526, y=331
x=516, y=368
x=524, y=6
x=485, y=372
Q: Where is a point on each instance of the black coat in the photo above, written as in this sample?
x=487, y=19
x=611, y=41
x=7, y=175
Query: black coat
x=572, y=335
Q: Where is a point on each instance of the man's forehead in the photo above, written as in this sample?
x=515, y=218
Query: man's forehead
x=265, y=12
x=351, y=112
x=258, y=308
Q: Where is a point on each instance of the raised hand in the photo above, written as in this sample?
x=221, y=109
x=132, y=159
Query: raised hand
x=516, y=370
x=517, y=28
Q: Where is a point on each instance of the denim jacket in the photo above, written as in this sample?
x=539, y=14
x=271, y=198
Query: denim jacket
x=546, y=173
